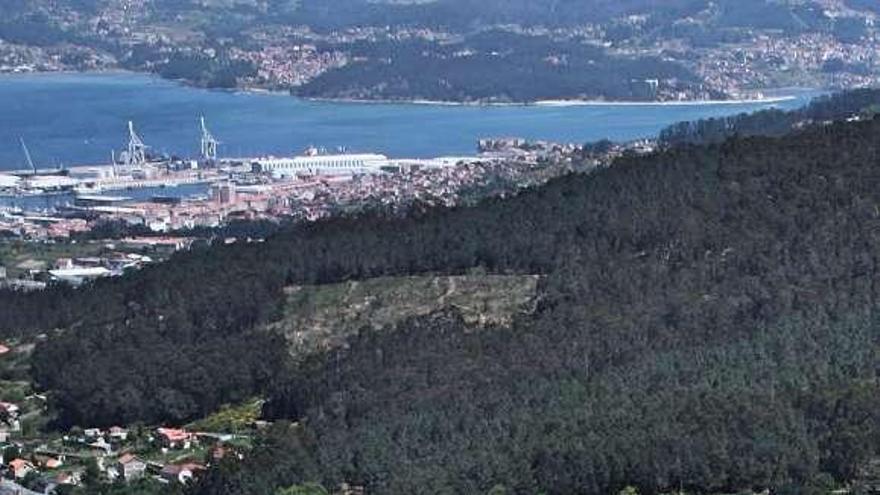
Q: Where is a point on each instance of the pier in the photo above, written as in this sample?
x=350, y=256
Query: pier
x=120, y=185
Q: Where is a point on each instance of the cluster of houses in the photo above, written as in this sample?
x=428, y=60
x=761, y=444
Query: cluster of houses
x=120, y=455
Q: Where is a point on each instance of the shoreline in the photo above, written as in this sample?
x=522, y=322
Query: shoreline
x=561, y=103
x=602, y=103
x=548, y=103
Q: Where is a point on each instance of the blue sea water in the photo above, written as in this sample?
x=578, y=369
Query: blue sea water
x=72, y=119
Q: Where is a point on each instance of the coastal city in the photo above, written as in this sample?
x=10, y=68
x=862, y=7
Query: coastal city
x=56, y=217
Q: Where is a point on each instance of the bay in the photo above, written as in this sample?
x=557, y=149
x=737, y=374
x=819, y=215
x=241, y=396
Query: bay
x=75, y=119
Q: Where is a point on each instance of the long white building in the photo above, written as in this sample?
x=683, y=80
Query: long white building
x=322, y=165
x=9, y=181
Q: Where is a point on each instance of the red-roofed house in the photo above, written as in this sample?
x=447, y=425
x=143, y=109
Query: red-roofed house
x=19, y=468
x=174, y=438
x=50, y=462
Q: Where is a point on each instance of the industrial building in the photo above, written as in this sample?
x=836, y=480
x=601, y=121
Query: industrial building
x=49, y=183
x=9, y=181
x=78, y=275
x=321, y=165
x=88, y=201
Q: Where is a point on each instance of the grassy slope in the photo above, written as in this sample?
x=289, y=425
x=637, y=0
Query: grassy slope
x=322, y=316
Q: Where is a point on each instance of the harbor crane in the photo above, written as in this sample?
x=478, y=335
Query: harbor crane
x=27, y=156
x=137, y=150
x=209, y=143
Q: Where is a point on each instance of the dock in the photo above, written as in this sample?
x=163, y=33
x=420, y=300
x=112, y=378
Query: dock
x=120, y=185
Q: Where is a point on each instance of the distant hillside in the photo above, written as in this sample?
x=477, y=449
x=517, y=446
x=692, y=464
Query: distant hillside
x=495, y=66
x=463, y=13
x=470, y=13
x=790, y=16
x=599, y=49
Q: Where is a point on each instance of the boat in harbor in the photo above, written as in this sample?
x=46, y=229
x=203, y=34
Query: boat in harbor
x=85, y=190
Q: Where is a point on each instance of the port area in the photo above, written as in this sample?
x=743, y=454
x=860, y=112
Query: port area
x=90, y=222
x=165, y=196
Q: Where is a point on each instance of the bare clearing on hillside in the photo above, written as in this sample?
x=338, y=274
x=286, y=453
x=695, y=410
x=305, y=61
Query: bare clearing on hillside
x=323, y=316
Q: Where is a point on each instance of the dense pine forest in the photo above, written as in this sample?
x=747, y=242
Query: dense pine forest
x=707, y=321
x=494, y=66
x=859, y=103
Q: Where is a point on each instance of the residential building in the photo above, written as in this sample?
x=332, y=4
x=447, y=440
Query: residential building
x=181, y=473
x=174, y=438
x=118, y=434
x=130, y=467
x=19, y=468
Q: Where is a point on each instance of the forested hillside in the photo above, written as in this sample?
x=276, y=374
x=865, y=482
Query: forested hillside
x=462, y=14
x=707, y=321
x=493, y=66
x=709, y=324
x=467, y=14
x=451, y=50
x=858, y=104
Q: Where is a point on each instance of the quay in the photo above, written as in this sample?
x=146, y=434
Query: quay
x=119, y=185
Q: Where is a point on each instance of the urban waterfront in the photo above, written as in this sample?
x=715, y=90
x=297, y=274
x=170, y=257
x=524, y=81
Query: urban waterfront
x=48, y=202
x=70, y=119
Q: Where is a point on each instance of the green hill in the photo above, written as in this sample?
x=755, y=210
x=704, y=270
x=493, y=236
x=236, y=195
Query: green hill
x=706, y=320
